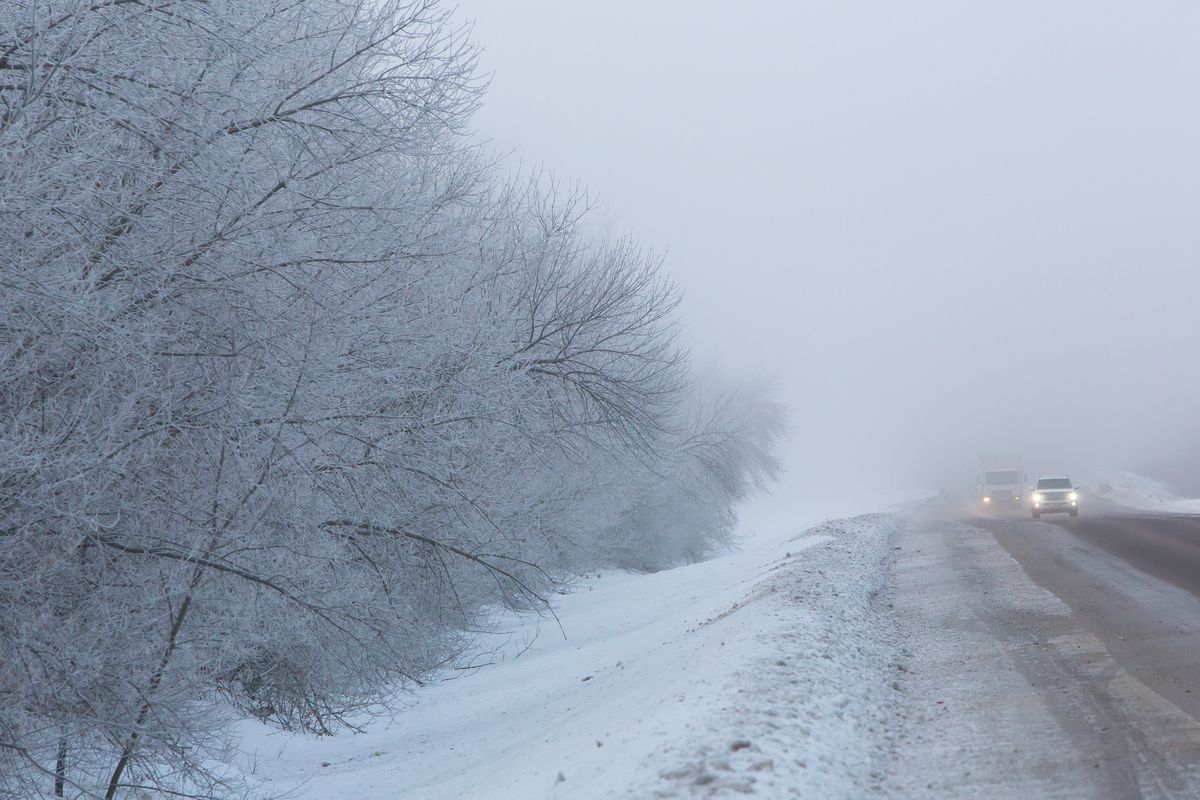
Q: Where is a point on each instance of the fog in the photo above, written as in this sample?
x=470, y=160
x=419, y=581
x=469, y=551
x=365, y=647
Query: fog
x=942, y=229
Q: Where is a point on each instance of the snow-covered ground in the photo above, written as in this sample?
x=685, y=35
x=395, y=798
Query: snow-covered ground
x=1138, y=491
x=766, y=669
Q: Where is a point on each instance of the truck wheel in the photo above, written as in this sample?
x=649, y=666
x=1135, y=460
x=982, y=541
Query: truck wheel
x=1037, y=515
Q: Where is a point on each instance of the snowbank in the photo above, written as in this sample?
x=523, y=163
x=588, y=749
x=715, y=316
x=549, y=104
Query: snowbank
x=808, y=714
x=1138, y=491
x=763, y=670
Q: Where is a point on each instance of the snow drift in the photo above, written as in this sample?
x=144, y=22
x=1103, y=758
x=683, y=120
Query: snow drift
x=766, y=669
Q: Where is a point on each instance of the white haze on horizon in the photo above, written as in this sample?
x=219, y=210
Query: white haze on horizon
x=944, y=229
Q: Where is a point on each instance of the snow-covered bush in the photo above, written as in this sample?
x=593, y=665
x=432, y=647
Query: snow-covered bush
x=681, y=506
x=292, y=390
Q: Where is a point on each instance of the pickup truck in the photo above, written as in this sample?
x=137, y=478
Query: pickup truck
x=1054, y=494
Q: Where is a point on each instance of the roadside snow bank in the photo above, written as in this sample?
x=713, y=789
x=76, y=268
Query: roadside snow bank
x=762, y=671
x=1138, y=491
x=807, y=712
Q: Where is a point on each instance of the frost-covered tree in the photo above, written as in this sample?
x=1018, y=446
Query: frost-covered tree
x=222, y=221
x=292, y=390
x=680, y=507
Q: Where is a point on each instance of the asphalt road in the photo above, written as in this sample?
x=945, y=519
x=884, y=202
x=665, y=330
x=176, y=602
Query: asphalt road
x=1057, y=658
x=1167, y=547
x=1115, y=569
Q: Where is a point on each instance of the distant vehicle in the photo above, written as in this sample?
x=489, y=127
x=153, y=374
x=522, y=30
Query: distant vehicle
x=1001, y=481
x=1054, y=494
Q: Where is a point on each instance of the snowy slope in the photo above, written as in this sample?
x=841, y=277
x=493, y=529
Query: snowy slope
x=758, y=669
x=1138, y=491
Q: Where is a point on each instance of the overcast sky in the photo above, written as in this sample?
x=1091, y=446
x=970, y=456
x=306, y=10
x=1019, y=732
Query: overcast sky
x=945, y=229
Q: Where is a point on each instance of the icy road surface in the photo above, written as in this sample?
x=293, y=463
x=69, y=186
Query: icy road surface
x=1073, y=683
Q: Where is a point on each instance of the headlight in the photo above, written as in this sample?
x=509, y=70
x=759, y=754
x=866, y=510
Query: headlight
x=987, y=499
x=1037, y=497
x=1073, y=497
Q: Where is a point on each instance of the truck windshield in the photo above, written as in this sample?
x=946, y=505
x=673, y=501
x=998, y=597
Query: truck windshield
x=1006, y=477
x=1054, y=483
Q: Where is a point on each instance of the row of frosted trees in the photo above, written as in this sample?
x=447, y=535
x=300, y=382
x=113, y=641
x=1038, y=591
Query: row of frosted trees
x=294, y=390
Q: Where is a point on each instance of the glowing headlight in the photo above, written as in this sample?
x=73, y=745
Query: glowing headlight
x=1073, y=497
x=1037, y=497
x=987, y=499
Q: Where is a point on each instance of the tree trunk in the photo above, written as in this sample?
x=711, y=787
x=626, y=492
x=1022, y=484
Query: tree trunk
x=131, y=743
x=60, y=767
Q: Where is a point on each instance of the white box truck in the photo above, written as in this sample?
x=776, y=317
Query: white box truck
x=1001, y=481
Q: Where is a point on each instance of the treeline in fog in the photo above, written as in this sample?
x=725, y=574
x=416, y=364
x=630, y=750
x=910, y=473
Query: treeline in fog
x=295, y=388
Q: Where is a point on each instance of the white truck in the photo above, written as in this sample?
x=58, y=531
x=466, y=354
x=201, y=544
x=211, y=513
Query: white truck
x=1001, y=481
